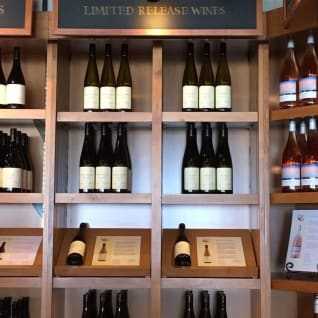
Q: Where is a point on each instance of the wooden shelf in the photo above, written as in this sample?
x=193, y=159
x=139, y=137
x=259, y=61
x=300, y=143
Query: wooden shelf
x=89, y=270
x=145, y=117
x=299, y=282
x=297, y=112
x=217, y=283
x=236, y=117
x=297, y=197
x=111, y=198
x=22, y=114
x=226, y=199
x=21, y=198
x=22, y=271
x=250, y=270
x=101, y=282
x=20, y=282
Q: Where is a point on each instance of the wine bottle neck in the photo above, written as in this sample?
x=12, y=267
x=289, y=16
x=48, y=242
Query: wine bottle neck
x=16, y=54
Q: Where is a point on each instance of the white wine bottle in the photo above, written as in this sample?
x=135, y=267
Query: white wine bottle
x=108, y=83
x=191, y=163
x=223, y=88
x=190, y=90
x=16, y=83
x=77, y=249
x=121, y=169
x=206, y=82
x=88, y=161
x=104, y=160
x=224, y=169
x=91, y=82
x=124, y=82
x=182, y=255
x=3, y=86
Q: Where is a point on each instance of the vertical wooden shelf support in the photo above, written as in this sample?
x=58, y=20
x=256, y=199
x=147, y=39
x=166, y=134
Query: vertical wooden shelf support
x=156, y=136
x=48, y=186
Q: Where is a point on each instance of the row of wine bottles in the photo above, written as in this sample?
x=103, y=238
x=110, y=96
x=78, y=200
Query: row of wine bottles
x=105, y=304
x=12, y=90
x=205, y=93
x=105, y=170
x=106, y=93
x=18, y=308
x=204, y=311
x=300, y=158
x=16, y=174
x=299, y=85
x=207, y=171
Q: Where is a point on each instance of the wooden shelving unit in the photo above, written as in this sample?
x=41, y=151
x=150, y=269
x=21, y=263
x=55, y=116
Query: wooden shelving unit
x=298, y=282
x=297, y=112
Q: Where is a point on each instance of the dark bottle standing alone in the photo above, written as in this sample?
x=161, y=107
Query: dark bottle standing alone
x=121, y=169
x=77, y=249
x=206, y=82
x=190, y=180
x=188, y=307
x=190, y=90
x=220, y=305
x=107, y=83
x=182, y=254
x=121, y=305
x=15, y=93
x=205, y=305
x=91, y=82
x=224, y=168
x=207, y=161
x=104, y=160
x=87, y=161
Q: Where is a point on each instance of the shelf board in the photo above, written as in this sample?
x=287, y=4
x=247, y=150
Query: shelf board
x=22, y=114
x=108, y=198
x=300, y=282
x=297, y=112
x=297, y=197
x=236, y=117
x=21, y=198
x=20, y=282
x=145, y=117
x=226, y=199
x=218, y=283
x=101, y=282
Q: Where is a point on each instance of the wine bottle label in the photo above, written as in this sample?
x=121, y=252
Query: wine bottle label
x=206, y=96
x=77, y=247
x=29, y=181
x=191, y=178
x=224, y=179
x=120, y=178
x=91, y=97
x=3, y=98
x=182, y=247
x=291, y=176
x=103, y=178
x=15, y=94
x=87, y=177
x=207, y=178
x=11, y=177
x=129, y=180
x=123, y=97
x=190, y=95
x=308, y=87
x=223, y=96
x=309, y=174
x=107, y=97
x=288, y=91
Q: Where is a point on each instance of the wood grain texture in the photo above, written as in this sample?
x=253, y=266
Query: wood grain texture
x=298, y=197
x=297, y=112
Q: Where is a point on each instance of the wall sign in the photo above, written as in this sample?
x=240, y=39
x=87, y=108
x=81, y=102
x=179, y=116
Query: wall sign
x=15, y=17
x=141, y=17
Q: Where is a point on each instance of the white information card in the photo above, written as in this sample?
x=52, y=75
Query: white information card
x=220, y=251
x=117, y=250
x=302, y=253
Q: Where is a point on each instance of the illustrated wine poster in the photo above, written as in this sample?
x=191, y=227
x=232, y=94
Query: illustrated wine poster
x=220, y=251
x=19, y=250
x=302, y=253
x=117, y=250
